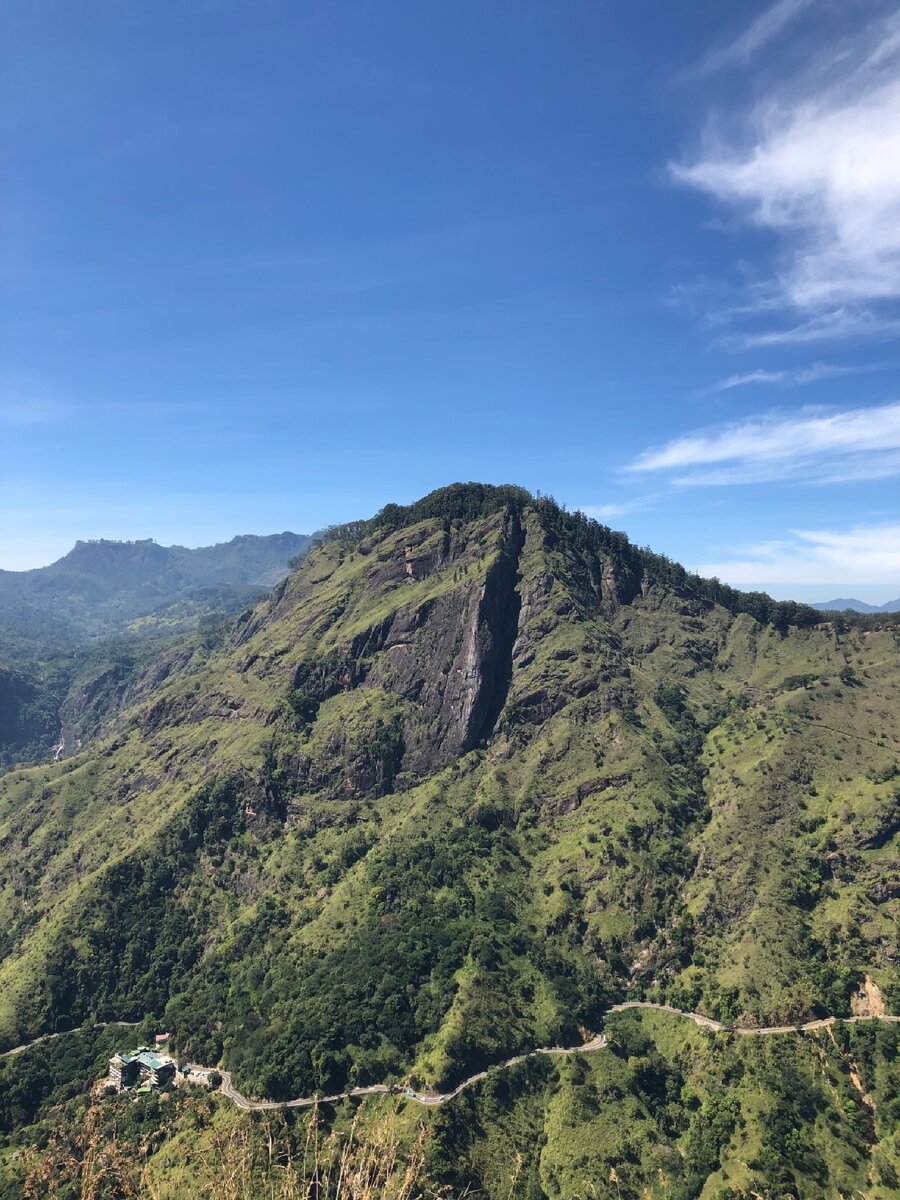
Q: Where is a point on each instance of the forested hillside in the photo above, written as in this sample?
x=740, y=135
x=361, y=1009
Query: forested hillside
x=28, y=716
x=473, y=772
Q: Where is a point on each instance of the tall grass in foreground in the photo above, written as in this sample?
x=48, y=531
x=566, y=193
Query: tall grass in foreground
x=247, y=1160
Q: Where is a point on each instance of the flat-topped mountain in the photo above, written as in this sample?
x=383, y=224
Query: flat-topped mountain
x=473, y=772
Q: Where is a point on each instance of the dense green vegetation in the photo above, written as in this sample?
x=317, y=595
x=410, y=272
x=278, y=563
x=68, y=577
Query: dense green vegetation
x=460, y=503
x=586, y=537
x=675, y=1113
x=665, y=1111
x=52, y=1072
x=29, y=720
x=477, y=769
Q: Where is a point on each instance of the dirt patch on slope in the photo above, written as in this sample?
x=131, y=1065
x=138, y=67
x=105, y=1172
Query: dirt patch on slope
x=868, y=1001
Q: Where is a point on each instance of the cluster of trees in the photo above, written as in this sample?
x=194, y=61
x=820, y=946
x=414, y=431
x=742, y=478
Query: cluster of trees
x=315, y=679
x=52, y=1072
x=352, y=1005
x=354, y=1011
x=586, y=536
x=460, y=502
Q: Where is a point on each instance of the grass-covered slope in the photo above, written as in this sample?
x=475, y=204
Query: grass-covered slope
x=474, y=771
x=669, y=1112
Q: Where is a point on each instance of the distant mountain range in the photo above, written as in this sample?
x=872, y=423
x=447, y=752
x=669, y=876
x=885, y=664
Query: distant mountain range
x=101, y=588
x=77, y=636
x=860, y=606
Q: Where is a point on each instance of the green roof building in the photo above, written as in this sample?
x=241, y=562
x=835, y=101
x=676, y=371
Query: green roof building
x=144, y=1066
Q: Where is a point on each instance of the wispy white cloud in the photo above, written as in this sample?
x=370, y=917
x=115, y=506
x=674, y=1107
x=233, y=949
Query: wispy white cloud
x=735, y=381
x=766, y=27
x=814, y=445
x=840, y=325
x=603, y=512
x=864, y=554
x=817, y=163
x=829, y=371
x=794, y=377
x=618, y=508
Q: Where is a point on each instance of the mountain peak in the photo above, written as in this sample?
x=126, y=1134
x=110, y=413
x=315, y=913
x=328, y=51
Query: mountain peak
x=476, y=773
x=102, y=553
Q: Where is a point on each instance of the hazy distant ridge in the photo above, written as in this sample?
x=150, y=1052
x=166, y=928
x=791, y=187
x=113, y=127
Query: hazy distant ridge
x=860, y=606
x=100, y=586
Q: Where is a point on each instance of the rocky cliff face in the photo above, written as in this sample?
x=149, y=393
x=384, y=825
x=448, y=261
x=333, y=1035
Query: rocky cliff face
x=479, y=632
x=438, y=653
x=450, y=657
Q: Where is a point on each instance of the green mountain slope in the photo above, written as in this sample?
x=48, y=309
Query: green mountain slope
x=666, y=1112
x=474, y=771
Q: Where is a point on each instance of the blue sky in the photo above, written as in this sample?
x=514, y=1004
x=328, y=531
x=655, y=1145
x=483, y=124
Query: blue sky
x=270, y=265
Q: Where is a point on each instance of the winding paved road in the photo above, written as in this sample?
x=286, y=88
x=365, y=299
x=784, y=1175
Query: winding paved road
x=432, y=1099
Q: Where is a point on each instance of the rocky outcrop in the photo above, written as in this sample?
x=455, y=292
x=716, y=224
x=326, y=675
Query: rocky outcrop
x=452, y=659
x=353, y=762
x=443, y=662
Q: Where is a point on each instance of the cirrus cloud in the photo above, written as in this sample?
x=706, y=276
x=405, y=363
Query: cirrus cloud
x=813, y=445
x=863, y=554
x=766, y=27
x=793, y=378
x=817, y=163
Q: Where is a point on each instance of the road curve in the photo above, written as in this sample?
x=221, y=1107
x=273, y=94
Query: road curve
x=432, y=1099
x=753, y=1031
